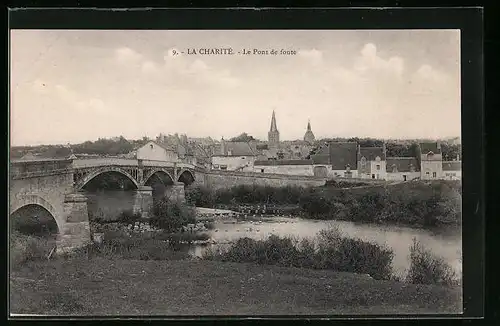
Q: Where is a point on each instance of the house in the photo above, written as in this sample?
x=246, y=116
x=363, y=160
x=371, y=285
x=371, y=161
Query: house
x=402, y=168
x=336, y=159
x=452, y=170
x=431, y=161
x=372, y=162
x=154, y=151
x=234, y=156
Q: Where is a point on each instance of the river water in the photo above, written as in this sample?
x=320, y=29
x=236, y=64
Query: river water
x=447, y=244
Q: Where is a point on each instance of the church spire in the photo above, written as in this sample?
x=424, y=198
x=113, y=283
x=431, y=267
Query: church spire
x=273, y=136
x=273, y=123
x=309, y=136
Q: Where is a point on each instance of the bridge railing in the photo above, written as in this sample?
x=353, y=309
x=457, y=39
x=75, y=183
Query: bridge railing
x=92, y=162
x=21, y=168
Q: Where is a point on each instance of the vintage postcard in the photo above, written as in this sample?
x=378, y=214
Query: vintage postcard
x=235, y=172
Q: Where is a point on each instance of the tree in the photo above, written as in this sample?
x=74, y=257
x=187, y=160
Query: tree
x=243, y=137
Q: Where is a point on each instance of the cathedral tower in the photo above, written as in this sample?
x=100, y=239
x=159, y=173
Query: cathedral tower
x=273, y=136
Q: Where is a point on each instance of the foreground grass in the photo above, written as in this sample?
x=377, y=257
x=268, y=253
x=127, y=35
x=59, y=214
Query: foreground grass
x=102, y=286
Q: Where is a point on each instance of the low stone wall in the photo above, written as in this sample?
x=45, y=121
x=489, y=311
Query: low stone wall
x=229, y=179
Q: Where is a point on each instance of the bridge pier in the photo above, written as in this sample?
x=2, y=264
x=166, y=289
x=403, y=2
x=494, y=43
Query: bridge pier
x=175, y=192
x=75, y=232
x=143, y=201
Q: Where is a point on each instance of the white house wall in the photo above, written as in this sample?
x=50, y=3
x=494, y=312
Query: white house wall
x=431, y=166
x=285, y=169
x=152, y=151
x=233, y=162
x=340, y=173
x=452, y=175
x=399, y=176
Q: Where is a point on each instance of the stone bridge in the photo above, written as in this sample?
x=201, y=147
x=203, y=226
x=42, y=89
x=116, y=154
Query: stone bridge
x=55, y=185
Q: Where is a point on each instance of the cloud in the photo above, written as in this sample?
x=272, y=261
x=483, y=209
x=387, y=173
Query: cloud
x=68, y=97
x=198, y=66
x=126, y=55
x=313, y=56
x=93, y=104
x=370, y=61
x=149, y=67
x=428, y=74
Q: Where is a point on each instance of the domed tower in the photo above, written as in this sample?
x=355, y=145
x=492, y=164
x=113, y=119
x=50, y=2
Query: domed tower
x=309, y=136
x=273, y=136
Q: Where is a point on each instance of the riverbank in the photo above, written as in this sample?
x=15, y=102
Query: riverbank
x=422, y=204
x=102, y=286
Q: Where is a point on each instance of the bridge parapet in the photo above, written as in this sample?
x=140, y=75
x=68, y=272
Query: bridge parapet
x=36, y=168
x=94, y=162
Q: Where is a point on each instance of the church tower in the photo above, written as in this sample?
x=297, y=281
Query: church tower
x=273, y=136
x=309, y=136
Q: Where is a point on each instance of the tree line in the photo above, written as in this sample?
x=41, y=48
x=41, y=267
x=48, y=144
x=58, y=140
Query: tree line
x=120, y=145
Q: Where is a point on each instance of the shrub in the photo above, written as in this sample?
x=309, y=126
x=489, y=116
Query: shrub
x=172, y=215
x=24, y=248
x=136, y=247
x=427, y=268
x=357, y=256
x=332, y=251
x=128, y=216
x=200, y=196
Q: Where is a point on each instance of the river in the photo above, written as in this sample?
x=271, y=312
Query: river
x=447, y=244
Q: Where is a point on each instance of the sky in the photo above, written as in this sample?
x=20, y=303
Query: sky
x=70, y=86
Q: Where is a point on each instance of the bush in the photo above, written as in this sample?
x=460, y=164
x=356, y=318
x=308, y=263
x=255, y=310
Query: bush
x=25, y=248
x=200, y=196
x=427, y=268
x=128, y=217
x=137, y=247
x=172, y=215
x=328, y=251
x=357, y=256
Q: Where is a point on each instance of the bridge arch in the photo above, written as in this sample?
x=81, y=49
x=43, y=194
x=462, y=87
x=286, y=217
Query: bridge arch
x=160, y=173
x=81, y=183
x=186, y=176
x=20, y=202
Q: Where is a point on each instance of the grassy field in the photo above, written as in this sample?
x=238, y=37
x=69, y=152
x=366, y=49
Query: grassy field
x=184, y=287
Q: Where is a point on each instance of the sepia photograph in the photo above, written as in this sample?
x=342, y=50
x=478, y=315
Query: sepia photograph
x=235, y=172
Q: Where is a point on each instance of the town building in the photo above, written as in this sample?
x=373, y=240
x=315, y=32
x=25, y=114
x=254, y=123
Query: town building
x=372, y=162
x=452, y=170
x=235, y=156
x=402, y=168
x=431, y=161
x=337, y=159
x=154, y=151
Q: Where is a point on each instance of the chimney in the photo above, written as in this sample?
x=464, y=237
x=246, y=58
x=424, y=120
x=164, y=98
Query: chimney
x=384, y=149
x=458, y=157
